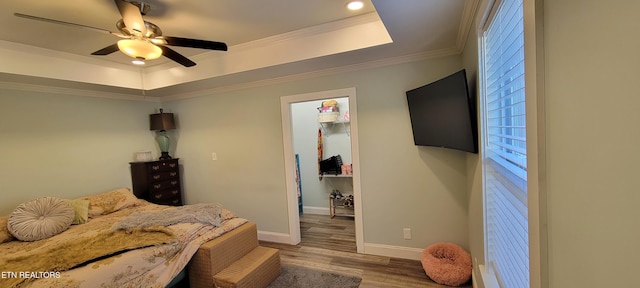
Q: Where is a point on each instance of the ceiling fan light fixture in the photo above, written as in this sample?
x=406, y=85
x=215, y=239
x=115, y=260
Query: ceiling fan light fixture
x=158, y=41
x=141, y=40
x=139, y=49
x=355, y=5
x=138, y=61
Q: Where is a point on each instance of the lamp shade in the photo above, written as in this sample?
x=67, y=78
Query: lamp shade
x=161, y=121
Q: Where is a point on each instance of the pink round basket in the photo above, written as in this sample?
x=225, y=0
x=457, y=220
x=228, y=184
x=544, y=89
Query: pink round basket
x=447, y=264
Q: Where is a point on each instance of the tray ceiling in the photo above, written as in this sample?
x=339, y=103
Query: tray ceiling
x=265, y=38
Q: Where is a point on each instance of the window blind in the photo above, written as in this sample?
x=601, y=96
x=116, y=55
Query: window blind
x=504, y=138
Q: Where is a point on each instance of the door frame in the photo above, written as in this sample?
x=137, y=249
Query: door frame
x=289, y=158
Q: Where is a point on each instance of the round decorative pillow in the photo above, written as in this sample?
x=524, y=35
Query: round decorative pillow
x=40, y=219
x=447, y=263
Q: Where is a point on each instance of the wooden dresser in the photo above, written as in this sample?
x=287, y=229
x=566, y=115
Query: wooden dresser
x=157, y=181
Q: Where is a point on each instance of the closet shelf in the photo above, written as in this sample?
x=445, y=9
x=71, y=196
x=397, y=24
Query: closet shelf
x=326, y=125
x=337, y=176
x=335, y=204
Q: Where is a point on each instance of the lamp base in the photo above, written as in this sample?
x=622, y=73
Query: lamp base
x=164, y=156
x=163, y=143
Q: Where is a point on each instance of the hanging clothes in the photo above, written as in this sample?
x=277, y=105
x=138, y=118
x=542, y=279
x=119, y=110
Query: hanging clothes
x=299, y=184
x=319, y=153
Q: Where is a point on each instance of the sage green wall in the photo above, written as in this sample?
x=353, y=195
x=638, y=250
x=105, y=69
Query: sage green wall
x=592, y=98
x=474, y=166
x=67, y=146
x=402, y=185
x=243, y=129
x=593, y=141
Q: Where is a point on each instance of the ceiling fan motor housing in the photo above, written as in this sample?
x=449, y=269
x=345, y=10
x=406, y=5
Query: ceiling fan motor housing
x=152, y=29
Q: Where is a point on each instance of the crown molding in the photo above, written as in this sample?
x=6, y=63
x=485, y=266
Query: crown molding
x=20, y=59
x=310, y=31
x=33, y=50
x=76, y=92
x=313, y=42
x=229, y=88
x=466, y=23
x=272, y=40
x=315, y=74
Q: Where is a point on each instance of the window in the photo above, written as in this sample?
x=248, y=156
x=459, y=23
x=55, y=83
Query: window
x=504, y=154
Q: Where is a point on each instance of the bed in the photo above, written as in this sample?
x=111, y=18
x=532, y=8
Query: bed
x=128, y=242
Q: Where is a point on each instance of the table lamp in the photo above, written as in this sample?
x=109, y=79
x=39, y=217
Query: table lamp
x=162, y=122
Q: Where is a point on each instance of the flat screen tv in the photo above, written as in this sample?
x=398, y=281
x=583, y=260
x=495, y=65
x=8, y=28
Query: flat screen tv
x=443, y=114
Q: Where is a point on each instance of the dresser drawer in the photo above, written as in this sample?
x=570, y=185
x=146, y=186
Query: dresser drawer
x=163, y=166
x=162, y=176
x=164, y=185
x=170, y=201
x=165, y=195
x=157, y=181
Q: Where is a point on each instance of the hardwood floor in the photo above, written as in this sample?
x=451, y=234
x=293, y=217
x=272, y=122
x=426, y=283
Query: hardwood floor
x=329, y=244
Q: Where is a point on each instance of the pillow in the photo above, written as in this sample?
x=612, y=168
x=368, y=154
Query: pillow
x=81, y=210
x=40, y=219
x=109, y=202
x=5, y=236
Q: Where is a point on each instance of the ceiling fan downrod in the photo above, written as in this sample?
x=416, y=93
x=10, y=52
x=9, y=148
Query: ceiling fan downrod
x=144, y=7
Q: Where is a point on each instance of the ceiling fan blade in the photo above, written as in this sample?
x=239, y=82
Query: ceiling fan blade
x=107, y=50
x=194, y=43
x=31, y=17
x=131, y=17
x=175, y=56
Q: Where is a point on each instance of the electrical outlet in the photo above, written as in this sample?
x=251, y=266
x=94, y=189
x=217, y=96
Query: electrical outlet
x=407, y=233
x=214, y=156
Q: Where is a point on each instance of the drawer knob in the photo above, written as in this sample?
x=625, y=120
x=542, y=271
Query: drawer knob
x=157, y=186
x=156, y=177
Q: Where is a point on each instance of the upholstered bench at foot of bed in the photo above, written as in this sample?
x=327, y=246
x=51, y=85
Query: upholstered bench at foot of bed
x=234, y=246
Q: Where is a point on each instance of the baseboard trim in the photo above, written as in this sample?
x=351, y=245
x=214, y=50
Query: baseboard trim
x=275, y=237
x=369, y=248
x=474, y=279
x=315, y=210
x=393, y=251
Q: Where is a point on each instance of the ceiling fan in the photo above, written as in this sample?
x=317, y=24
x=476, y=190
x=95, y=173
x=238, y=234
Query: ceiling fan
x=142, y=40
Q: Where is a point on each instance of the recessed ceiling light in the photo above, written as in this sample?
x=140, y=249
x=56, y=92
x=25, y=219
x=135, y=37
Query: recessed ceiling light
x=355, y=5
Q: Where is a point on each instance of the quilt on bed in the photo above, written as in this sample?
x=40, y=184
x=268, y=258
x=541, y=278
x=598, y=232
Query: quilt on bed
x=115, y=250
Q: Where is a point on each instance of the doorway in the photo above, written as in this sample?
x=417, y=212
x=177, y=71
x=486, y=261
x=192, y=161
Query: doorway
x=286, y=103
